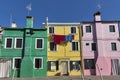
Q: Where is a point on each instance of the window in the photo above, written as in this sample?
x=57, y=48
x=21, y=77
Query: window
x=75, y=65
x=73, y=30
x=112, y=28
x=87, y=44
x=113, y=46
x=88, y=29
x=89, y=63
x=18, y=42
x=52, y=65
x=39, y=43
x=8, y=42
x=93, y=46
x=38, y=63
x=74, y=46
x=51, y=30
x=53, y=47
x=16, y=63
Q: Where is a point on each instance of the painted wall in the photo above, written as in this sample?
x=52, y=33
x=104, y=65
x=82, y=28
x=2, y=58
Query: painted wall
x=64, y=52
x=27, y=69
x=103, y=37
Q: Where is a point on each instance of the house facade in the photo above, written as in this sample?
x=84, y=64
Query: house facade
x=23, y=51
x=100, y=46
x=64, y=49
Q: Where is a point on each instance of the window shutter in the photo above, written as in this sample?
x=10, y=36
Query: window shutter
x=57, y=65
x=71, y=66
x=49, y=65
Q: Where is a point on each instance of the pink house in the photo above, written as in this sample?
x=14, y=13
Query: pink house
x=101, y=47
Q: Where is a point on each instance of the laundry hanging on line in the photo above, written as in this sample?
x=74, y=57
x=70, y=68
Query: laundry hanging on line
x=69, y=38
x=60, y=38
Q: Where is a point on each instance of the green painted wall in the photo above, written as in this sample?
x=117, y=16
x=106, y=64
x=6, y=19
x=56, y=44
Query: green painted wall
x=30, y=52
x=27, y=53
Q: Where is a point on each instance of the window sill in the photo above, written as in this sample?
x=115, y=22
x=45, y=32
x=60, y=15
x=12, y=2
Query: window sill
x=16, y=68
x=38, y=68
x=93, y=51
x=114, y=50
x=18, y=48
x=8, y=48
x=39, y=48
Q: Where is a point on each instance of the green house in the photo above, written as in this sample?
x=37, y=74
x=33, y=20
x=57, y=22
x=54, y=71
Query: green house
x=23, y=51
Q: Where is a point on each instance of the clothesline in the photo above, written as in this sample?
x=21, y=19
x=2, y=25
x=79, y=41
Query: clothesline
x=60, y=38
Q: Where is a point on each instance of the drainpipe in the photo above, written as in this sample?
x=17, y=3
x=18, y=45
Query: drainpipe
x=82, y=61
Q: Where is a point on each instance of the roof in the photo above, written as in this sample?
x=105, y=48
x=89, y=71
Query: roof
x=114, y=21
x=9, y=28
x=64, y=24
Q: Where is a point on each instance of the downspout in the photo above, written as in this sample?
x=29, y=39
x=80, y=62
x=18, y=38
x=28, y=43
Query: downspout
x=1, y=33
x=23, y=50
x=81, y=55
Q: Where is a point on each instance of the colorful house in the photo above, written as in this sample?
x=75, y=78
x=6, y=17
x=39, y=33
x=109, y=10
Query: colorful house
x=23, y=51
x=100, y=46
x=64, y=49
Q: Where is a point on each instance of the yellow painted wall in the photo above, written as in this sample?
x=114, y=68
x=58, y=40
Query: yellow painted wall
x=64, y=51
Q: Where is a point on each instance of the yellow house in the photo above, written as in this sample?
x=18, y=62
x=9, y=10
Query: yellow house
x=64, y=57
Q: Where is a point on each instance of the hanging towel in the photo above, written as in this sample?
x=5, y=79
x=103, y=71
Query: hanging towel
x=69, y=38
x=58, y=38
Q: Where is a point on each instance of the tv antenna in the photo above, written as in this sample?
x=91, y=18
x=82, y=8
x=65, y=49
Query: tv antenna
x=99, y=6
x=29, y=8
x=11, y=19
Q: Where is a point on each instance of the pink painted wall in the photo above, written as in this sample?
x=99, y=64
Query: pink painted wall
x=103, y=37
x=104, y=65
x=90, y=72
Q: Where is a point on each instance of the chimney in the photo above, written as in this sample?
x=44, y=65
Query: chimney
x=13, y=25
x=97, y=16
x=29, y=21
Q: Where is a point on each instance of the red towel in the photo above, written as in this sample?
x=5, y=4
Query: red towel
x=58, y=38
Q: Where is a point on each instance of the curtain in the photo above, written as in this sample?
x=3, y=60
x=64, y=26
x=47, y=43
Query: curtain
x=115, y=66
x=5, y=65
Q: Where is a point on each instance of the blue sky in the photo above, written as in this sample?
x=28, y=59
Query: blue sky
x=57, y=11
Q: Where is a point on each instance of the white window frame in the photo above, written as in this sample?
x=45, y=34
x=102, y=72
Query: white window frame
x=71, y=29
x=5, y=46
x=42, y=43
x=14, y=62
x=16, y=41
x=41, y=63
x=78, y=46
x=49, y=29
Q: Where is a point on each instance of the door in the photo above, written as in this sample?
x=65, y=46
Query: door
x=64, y=68
x=115, y=66
x=5, y=65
